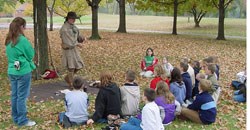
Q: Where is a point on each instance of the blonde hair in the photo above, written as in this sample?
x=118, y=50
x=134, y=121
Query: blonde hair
x=205, y=85
x=160, y=71
x=106, y=78
x=162, y=89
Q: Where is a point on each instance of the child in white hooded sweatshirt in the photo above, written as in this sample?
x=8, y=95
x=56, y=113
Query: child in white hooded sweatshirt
x=130, y=95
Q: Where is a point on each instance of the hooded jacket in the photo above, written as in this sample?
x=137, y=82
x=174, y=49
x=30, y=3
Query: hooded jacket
x=130, y=94
x=179, y=91
x=188, y=83
x=108, y=101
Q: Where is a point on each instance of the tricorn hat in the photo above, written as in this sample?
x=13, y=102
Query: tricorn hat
x=72, y=15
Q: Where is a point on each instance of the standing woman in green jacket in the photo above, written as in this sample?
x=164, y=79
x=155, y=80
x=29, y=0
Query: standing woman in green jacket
x=20, y=53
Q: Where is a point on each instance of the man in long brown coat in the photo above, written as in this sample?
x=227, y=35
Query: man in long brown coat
x=71, y=58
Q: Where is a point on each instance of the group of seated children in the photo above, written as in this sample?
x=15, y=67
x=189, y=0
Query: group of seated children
x=169, y=94
x=239, y=86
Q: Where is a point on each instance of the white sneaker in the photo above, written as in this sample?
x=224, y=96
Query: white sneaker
x=30, y=123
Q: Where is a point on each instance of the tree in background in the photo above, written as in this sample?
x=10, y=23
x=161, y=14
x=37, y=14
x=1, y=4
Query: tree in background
x=7, y=8
x=7, y=3
x=94, y=4
x=50, y=6
x=237, y=9
x=62, y=7
x=221, y=5
x=198, y=8
x=161, y=5
x=122, y=23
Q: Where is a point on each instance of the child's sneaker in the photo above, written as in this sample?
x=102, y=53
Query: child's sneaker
x=30, y=123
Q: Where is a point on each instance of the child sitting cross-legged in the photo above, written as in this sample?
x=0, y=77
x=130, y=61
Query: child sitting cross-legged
x=151, y=119
x=166, y=102
x=203, y=109
x=76, y=103
x=130, y=95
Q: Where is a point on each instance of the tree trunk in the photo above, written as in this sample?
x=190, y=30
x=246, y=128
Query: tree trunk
x=95, y=35
x=175, y=17
x=122, y=24
x=221, y=35
x=51, y=20
x=40, y=36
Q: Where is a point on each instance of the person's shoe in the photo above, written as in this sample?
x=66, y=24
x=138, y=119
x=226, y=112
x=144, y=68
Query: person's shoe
x=30, y=123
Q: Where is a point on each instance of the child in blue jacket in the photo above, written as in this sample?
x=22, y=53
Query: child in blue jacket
x=203, y=109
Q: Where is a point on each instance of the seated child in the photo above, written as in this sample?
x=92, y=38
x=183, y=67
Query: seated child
x=76, y=103
x=240, y=79
x=187, y=80
x=151, y=119
x=203, y=109
x=130, y=95
x=177, y=86
x=199, y=76
x=210, y=72
x=148, y=63
x=167, y=66
x=160, y=75
x=166, y=102
x=240, y=95
x=108, y=100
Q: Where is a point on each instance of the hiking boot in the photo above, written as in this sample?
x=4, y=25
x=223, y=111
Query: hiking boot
x=30, y=123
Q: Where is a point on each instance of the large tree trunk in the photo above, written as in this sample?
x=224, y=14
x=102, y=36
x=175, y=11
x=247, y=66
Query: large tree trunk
x=95, y=35
x=175, y=17
x=40, y=36
x=221, y=35
x=122, y=24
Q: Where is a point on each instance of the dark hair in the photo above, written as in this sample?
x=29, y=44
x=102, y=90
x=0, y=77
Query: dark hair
x=15, y=30
x=184, y=66
x=196, y=64
x=78, y=82
x=130, y=75
x=151, y=50
x=149, y=94
x=176, y=76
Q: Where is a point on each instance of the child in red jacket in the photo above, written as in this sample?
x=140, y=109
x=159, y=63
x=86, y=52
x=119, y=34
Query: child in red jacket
x=160, y=75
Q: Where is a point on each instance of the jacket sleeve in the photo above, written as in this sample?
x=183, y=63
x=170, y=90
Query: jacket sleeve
x=99, y=106
x=196, y=104
x=29, y=52
x=143, y=64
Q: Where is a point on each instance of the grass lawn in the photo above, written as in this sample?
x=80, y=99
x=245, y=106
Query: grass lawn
x=209, y=26
x=118, y=52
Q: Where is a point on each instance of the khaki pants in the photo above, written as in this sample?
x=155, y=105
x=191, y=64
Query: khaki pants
x=191, y=114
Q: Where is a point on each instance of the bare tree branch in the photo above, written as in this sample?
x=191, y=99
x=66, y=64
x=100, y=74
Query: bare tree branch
x=227, y=3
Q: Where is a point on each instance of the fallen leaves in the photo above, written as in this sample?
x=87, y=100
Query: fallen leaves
x=119, y=52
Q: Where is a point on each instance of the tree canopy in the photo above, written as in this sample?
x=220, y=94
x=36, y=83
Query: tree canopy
x=62, y=7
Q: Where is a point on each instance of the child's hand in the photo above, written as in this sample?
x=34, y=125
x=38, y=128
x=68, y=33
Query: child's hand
x=90, y=122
